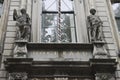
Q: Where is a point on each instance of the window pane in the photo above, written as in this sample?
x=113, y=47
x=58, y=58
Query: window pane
x=118, y=23
x=49, y=24
x=49, y=28
x=116, y=8
x=1, y=5
x=52, y=5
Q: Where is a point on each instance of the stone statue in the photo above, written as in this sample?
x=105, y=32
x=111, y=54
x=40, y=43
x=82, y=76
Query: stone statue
x=95, y=26
x=23, y=25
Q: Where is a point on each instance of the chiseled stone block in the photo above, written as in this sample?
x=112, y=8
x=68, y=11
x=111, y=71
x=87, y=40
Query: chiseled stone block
x=7, y=52
x=111, y=46
x=101, y=8
x=104, y=18
x=106, y=24
x=11, y=34
x=98, y=4
x=12, y=23
x=106, y=29
x=107, y=35
x=9, y=40
x=8, y=46
x=15, y=0
x=11, y=28
x=109, y=40
x=10, y=18
x=14, y=3
x=112, y=53
x=14, y=7
x=104, y=13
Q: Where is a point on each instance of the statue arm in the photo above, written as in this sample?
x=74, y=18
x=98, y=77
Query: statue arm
x=101, y=23
x=88, y=22
x=15, y=15
x=28, y=20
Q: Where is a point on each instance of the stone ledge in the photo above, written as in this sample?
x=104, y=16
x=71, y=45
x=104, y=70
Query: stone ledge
x=18, y=64
x=60, y=46
x=103, y=65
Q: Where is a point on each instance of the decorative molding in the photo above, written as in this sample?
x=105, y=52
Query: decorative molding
x=60, y=46
x=18, y=75
x=104, y=76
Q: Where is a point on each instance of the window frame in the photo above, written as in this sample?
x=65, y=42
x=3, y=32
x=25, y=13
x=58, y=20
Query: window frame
x=62, y=12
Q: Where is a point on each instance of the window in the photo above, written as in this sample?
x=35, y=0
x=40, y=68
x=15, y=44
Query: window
x=116, y=8
x=1, y=6
x=58, y=21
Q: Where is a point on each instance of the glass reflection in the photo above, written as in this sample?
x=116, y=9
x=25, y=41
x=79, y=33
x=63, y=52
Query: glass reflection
x=52, y=5
x=116, y=8
x=49, y=27
x=1, y=5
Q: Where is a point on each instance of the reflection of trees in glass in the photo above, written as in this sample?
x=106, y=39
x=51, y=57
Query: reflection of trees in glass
x=49, y=28
x=66, y=33
x=116, y=7
x=51, y=5
x=117, y=10
x=50, y=19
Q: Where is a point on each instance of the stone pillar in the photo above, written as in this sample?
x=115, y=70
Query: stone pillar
x=104, y=76
x=18, y=76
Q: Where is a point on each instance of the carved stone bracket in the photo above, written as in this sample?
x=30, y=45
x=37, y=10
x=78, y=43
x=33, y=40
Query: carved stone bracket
x=20, y=50
x=18, y=76
x=104, y=76
x=99, y=50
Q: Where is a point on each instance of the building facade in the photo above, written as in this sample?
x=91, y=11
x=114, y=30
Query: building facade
x=59, y=40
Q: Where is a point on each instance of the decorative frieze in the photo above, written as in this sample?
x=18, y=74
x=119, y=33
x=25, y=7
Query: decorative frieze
x=18, y=76
x=104, y=76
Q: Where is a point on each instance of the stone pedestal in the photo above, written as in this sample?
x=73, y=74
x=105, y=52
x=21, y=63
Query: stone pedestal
x=20, y=50
x=99, y=50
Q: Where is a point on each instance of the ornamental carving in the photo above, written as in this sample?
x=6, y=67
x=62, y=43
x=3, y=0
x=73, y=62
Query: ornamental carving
x=18, y=76
x=104, y=76
x=23, y=25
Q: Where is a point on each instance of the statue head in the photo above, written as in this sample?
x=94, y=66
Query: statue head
x=23, y=11
x=92, y=11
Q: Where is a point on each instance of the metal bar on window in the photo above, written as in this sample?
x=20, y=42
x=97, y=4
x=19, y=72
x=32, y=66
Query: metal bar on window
x=62, y=12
